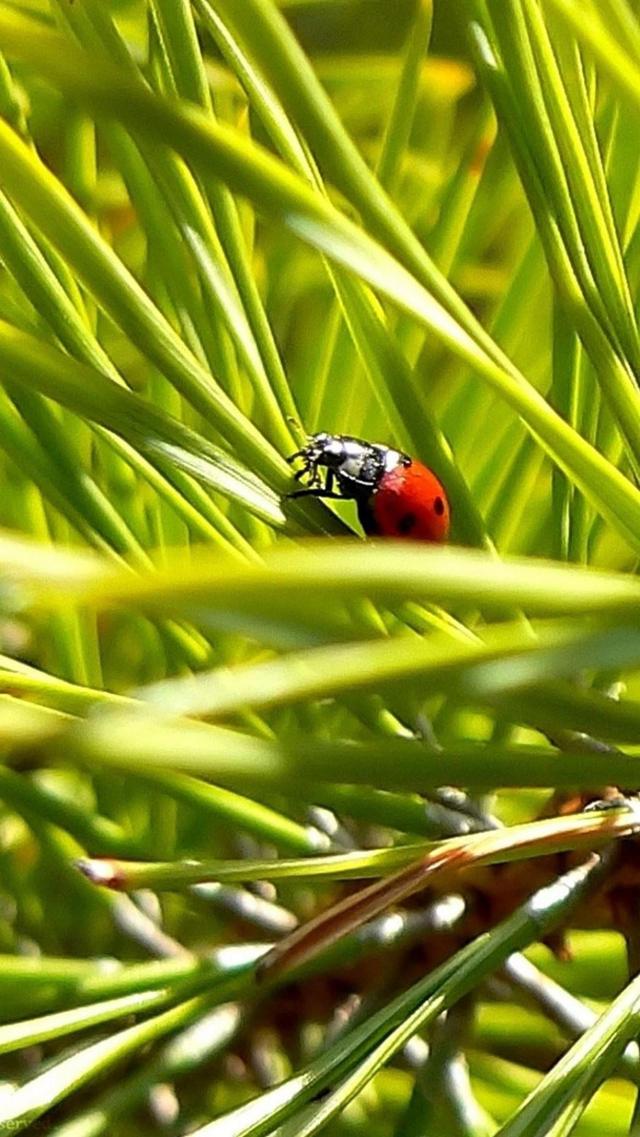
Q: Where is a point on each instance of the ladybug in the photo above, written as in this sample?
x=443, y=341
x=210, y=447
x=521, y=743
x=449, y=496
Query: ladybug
x=395, y=495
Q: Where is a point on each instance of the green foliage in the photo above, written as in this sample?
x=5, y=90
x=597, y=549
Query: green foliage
x=226, y=224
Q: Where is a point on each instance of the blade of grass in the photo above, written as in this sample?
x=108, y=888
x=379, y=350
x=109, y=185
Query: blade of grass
x=541, y=838
x=62, y=221
x=398, y=129
x=240, y=760
x=563, y=1094
x=390, y=376
x=184, y=1054
x=89, y=393
x=384, y=571
x=256, y=174
x=177, y=21
x=582, y=201
x=15, y=1036
x=595, y=34
x=25, y=1105
x=505, y=659
x=92, y=830
x=367, y=1046
x=614, y=374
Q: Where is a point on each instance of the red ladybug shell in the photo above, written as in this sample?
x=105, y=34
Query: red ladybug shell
x=410, y=502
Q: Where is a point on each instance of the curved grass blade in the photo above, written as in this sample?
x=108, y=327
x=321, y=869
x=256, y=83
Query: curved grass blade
x=35, y=189
x=366, y=1047
x=15, y=1036
x=221, y=152
x=504, y=660
x=385, y=571
x=89, y=393
x=595, y=34
x=389, y=373
x=518, y=842
x=131, y=742
x=565, y=1091
x=26, y=1104
x=516, y=59
x=191, y=81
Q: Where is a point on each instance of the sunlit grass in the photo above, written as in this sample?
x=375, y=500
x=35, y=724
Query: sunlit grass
x=225, y=225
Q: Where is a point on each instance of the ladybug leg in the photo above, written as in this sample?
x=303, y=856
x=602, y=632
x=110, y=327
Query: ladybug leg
x=315, y=487
x=366, y=517
x=325, y=491
x=308, y=469
x=319, y=491
x=312, y=472
x=298, y=454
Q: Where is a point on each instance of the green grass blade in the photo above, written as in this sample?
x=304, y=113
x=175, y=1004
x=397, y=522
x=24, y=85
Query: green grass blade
x=220, y=151
x=366, y=1047
x=26, y=1104
x=502, y=846
x=562, y=1095
x=57, y=1025
x=90, y=394
x=59, y=218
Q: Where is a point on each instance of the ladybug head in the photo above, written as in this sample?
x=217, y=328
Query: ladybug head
x=326, y=449
x=323, y=449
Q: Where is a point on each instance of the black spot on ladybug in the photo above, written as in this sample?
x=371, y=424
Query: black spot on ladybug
x=438, y=506
x=406, y=523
